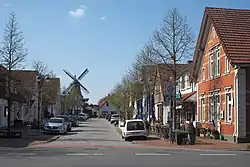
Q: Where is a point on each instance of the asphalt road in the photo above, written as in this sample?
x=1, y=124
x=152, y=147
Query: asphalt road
x=94, y=133
x=97, y=144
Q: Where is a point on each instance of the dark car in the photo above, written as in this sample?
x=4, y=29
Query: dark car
x=109, y=118
x=67, y=119
x=74, y=120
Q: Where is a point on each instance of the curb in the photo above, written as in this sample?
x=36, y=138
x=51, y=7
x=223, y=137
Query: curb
x=53, y=139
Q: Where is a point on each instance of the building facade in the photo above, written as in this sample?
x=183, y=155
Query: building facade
x=222, y=60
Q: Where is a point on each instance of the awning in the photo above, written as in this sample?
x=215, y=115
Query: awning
x=191, y=98
x=188, y=97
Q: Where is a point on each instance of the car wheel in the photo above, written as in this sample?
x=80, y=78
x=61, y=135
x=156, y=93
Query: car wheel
x=126, y=139
x=122, y=137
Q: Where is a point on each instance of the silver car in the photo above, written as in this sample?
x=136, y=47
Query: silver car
x=55, y=125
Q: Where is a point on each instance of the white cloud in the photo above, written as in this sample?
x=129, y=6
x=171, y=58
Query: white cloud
x=78, y=13
x=103, y=18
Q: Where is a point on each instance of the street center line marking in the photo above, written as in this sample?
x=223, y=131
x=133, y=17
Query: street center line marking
x=22, y=154
x=84, y=154
x=218, y=154
x=150, y=154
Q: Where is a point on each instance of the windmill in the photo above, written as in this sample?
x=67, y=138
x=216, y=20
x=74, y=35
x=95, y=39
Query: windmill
x=75, y=87
x=76, y=82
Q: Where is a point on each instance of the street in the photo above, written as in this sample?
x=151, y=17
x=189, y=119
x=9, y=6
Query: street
x=97, y=143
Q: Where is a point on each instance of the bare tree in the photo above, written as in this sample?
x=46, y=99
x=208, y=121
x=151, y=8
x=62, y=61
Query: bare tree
x=40, y=67
x=172, y=44
x=13, y=54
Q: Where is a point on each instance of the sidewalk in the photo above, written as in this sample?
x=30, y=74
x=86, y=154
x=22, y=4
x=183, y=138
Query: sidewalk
x=29, y=137
x=201, y=143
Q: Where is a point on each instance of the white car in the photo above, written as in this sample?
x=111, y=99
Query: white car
x=55, y=125
x=114, y=117
x=135, y=128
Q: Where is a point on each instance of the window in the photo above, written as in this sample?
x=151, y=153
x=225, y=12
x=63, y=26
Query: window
x=189, y=80
x=203, y=113
x=211, y=66
x=213, y=33
x=217, y=62
x=135, y=125
x=227, y=65
x=228, y=105
x=211, y=107
x=183, y=82
x=217, y=108
x=203, y=74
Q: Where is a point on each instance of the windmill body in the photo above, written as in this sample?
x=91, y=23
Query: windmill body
x=73, y=93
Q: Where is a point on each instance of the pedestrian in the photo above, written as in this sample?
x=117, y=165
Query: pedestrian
x=191, y=132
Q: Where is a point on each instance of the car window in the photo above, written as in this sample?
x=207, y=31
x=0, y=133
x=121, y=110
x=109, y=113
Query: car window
x=64, y=117
x=115, y=116
x=135, y=125
x=55, y=121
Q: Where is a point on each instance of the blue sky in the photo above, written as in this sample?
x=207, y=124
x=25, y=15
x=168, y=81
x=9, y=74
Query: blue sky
x=102, y=35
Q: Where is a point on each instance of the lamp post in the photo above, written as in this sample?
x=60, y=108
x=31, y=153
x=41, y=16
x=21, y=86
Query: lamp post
x=124, y=101
x=40, y=82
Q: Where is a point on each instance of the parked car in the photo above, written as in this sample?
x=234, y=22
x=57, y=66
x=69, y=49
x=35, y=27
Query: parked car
x=74, y=121
x=114, y=118
x=55, y=125
x=83, y=116
x=67, y=120
x=109, y=118
x=134, y=129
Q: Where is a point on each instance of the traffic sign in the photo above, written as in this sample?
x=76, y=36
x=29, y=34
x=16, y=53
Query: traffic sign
x=170, y=88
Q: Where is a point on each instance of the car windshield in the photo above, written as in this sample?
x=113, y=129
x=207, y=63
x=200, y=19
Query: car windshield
x=135, y=125
x=66, y=118
x=55, y=121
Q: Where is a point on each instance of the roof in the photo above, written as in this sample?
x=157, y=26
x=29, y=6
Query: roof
x=233, y=29
x=28, y=81
x=185, y=70
x=165, y=72
x=21, y=92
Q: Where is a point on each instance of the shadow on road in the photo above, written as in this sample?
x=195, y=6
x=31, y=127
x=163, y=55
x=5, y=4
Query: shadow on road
x=92, y=130
x=87, y=139
x=70, y=133
x=29, y=137
x=76, y=130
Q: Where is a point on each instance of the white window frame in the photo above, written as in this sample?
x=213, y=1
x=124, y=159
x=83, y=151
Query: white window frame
x=211, y=67
x=203, y=74
x=203, y=109
x=227, y=65
x=217, y=102
x=211, y=107
x=217, y=62
x=228, y=103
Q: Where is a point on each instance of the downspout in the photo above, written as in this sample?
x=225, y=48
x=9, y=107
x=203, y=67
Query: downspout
x=236, y=80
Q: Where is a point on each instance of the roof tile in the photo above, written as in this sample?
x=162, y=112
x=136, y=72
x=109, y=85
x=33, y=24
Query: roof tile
x=233, y=29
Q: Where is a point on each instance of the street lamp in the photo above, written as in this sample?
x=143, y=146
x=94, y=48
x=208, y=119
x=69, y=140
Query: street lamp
x=124, y=105
x=40, y=79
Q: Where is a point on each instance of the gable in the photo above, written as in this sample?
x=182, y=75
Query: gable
x=211, y=41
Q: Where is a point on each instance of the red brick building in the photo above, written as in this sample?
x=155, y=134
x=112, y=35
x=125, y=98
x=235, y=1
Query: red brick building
x=222, y=69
